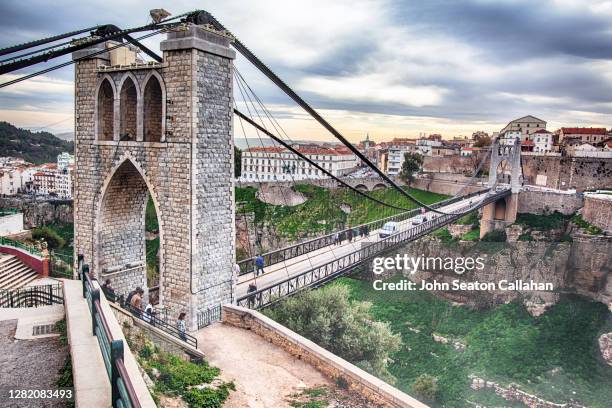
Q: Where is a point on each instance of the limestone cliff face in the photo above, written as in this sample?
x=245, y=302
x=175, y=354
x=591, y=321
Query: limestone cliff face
x=39, y=213
x=582, y=266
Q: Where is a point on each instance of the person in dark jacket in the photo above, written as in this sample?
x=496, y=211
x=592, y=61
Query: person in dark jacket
x=259, y=265
x=252, y=288
x=349, y=234
x=108, y=291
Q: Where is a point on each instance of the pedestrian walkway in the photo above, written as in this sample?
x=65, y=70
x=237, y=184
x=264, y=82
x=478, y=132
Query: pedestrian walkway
x=265, y=375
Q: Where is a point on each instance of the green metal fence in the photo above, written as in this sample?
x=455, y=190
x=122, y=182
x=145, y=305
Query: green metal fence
x=20, y=245
x=123, y=394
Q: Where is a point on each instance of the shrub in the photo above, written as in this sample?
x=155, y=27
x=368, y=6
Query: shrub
x=346, y=328
x=542, y=222
x=495, y=236
x=444, y=235
x=525, y=236
x=473, y=235
x=468, y=219
x=426, y=386
x=586, y=226
x=53, y=239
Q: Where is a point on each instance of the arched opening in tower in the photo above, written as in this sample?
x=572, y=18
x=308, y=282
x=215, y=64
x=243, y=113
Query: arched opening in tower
x=153, y=110
x=106, y=117
x=127, y=254
x=500, y=210
x=128, y=108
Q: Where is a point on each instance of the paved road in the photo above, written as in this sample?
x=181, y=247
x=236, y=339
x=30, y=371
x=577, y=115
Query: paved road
x=291, y=267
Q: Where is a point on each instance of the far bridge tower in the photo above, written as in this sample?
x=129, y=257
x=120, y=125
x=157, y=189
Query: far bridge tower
x=164, y=131
x=505, y=168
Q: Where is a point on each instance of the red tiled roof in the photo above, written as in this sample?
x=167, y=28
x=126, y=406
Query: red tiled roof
x=542, y=131
x=269, y=149
x=527, y=143
x=584, y=131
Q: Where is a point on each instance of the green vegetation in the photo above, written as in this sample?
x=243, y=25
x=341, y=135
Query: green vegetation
x=469, y=219
x=65, y=379
x=541, y=222
x=327, y=317
x=473, y=235
x=50, y=235
x=237, y=162
x=321, y=213
x=34, y=147
x=316, y=397
x=190, y=381
x=426, y=387
x=586, y=226
x=552, y=356
x=444, y=235
x=411, y=165
x=151, y=222
x=495, y=236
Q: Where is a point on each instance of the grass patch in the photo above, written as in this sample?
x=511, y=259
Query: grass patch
x=552, y=356
x=586, y=226
x=190, y=381
x=468, y=219
x=321, y=213
x=473, y=235
x=542, y=222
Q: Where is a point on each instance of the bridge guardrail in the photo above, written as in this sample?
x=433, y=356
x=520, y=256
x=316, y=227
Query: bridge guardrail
x=340, y=266
x=123, y=393
x=293, y=251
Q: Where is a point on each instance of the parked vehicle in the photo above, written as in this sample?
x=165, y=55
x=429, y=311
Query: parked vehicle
x=388, y=229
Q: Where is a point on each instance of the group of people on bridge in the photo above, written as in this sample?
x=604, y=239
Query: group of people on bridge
x=362, y=231
x=134, y=303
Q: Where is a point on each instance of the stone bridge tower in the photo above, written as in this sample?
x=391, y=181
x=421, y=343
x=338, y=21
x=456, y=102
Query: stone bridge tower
x=159, y=130
x=505, y=169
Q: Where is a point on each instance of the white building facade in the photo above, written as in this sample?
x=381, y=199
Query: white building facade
x=263, y=164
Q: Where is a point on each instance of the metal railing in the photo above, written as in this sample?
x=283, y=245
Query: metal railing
x=123, y=394
x=209, y=316
x=326, y=272
x=293, y=251
x=20, y=245
x=162, y=324
x=32, y=296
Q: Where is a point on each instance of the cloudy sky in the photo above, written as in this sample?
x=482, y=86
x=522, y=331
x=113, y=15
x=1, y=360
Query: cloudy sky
x=390, y=68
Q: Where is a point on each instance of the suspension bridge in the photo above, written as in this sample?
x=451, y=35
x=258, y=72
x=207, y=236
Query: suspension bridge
x=163, y=127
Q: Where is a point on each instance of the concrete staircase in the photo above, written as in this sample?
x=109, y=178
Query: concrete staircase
x=14, y=273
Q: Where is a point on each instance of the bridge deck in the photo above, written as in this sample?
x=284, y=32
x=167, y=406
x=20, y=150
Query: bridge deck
x=330, y=259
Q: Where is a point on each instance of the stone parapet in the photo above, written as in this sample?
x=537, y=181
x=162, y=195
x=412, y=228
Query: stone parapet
x=338, y=369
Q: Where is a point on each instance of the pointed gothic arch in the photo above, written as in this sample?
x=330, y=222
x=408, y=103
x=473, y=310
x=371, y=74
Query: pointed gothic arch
x=154, y=108
x=106, y=94
x=129, y=108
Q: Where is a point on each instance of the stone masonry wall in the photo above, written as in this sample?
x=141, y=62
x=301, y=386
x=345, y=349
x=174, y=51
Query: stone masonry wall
x=545, y=202
x=213, y=160
x=580, y=173
x=598, y=211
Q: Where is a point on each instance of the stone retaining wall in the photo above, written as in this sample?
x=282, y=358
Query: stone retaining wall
x=546, y=202
x=372, y=388
x=598, y=211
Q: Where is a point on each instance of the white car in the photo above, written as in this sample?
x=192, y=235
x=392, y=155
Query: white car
x=419, y=219
x=388, y=229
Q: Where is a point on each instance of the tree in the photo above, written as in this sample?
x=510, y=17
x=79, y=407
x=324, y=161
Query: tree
x=482, y=140
x=327, y=317
x=237, y=162
x=412, y=164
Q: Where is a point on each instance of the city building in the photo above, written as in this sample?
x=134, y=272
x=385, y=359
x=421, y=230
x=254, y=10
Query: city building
x=543, y=141
x=275, y=163
x=525, y=125
x=64, y=160
x=586, y=135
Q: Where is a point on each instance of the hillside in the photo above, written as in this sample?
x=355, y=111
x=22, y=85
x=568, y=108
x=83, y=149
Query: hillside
x=35, y=147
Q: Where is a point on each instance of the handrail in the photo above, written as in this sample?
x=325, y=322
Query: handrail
x=301, y=248
x=32, y=296
x=20, y=245
x=123, y=393
x=162, y=325
x=340, y=266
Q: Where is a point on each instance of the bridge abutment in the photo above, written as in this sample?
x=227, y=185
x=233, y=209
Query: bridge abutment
x=162, y=130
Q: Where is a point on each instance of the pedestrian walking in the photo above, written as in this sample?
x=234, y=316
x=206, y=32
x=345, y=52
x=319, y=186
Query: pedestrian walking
x=337, y=239
x=180, y=325
x=259, y=265
x=252, y=288
x=108, y=291
x=148, y=313
x=366, y=230
x=349, y=234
